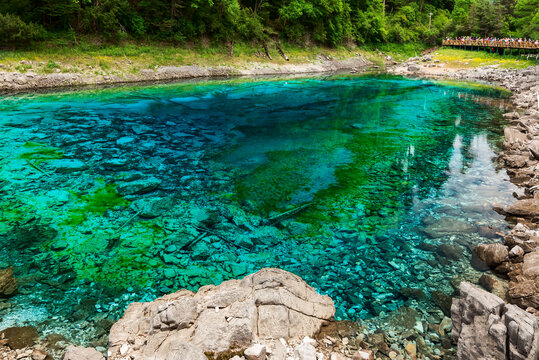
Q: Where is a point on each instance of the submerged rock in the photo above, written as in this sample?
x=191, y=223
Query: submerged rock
x=125, y=141
x=271, y=303
x=414, y=293
x=67, y=166
x=447, y=226
x=141, y=186
x=8, y=283
x=59, y=245
x=495, y=285
x=450, y=251
x=443, y=301
x=20, y=337
x=152, y=207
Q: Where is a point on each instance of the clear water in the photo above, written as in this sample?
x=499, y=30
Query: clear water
x=117, y=195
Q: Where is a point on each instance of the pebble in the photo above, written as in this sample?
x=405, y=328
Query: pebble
x=59, y=245
x=255, y=352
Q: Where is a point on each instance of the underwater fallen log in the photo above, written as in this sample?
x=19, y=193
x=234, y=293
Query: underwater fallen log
x=130, y=219
x=286, y=214
x=39, y=169
x=216, y=234
x=197, y=239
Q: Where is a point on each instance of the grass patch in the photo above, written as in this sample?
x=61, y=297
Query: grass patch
x=22, y=68
x=455, y=58
x=401, y=52
x=89, y=53
x=491, y=90
x=50, y=67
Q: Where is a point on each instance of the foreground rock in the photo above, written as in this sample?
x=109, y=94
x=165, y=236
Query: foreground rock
x=524, y=284
x=517, y=260
x=269, y=304
x=487, y=328
x=82, y=353
x=19, y=337
x=492, y=254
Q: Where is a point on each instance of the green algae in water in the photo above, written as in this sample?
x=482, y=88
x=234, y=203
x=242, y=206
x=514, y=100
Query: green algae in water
x=97, y=202
x=369, y=161
x=38, y=152
x=102, y=200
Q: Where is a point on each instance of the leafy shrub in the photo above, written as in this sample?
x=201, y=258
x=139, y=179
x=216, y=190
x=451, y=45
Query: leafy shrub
x=14, y=31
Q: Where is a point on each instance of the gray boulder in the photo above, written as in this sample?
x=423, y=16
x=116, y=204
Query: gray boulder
x=484, y=327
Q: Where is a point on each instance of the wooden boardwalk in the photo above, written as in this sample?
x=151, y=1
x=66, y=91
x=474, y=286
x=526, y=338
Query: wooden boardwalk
x=494, y=44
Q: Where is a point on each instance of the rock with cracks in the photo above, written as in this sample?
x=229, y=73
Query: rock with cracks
x=269, y=304
x=485, y=327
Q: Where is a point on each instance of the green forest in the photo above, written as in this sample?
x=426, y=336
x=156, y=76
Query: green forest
x=302, y=22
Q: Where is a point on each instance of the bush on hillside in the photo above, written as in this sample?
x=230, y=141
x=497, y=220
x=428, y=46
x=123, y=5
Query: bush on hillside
x=14, y=31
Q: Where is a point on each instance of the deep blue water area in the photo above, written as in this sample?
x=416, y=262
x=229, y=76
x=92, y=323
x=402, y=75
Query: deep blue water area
x=372, y=189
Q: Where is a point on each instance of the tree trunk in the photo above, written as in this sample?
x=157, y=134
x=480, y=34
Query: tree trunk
x=281, y=51
x=231, y=48
x=266, y=50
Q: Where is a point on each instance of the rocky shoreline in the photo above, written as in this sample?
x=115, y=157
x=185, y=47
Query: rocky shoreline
x=516, y=260
x=19, y=82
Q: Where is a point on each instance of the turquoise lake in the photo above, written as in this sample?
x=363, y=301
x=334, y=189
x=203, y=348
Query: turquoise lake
x=374, y=189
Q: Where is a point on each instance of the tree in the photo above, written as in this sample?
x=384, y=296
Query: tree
x=526, y=18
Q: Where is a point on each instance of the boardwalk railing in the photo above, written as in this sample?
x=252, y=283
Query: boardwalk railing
x=500, y=44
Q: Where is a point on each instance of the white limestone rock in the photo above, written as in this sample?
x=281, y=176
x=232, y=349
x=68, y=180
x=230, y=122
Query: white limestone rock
x=82, y=353
x=487, y=328
x=255, y=352
x=269, y=304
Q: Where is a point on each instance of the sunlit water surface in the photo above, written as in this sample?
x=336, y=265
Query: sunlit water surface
x=370, y=188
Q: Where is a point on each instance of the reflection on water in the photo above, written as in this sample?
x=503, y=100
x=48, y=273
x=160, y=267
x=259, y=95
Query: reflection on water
x=371, y=189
